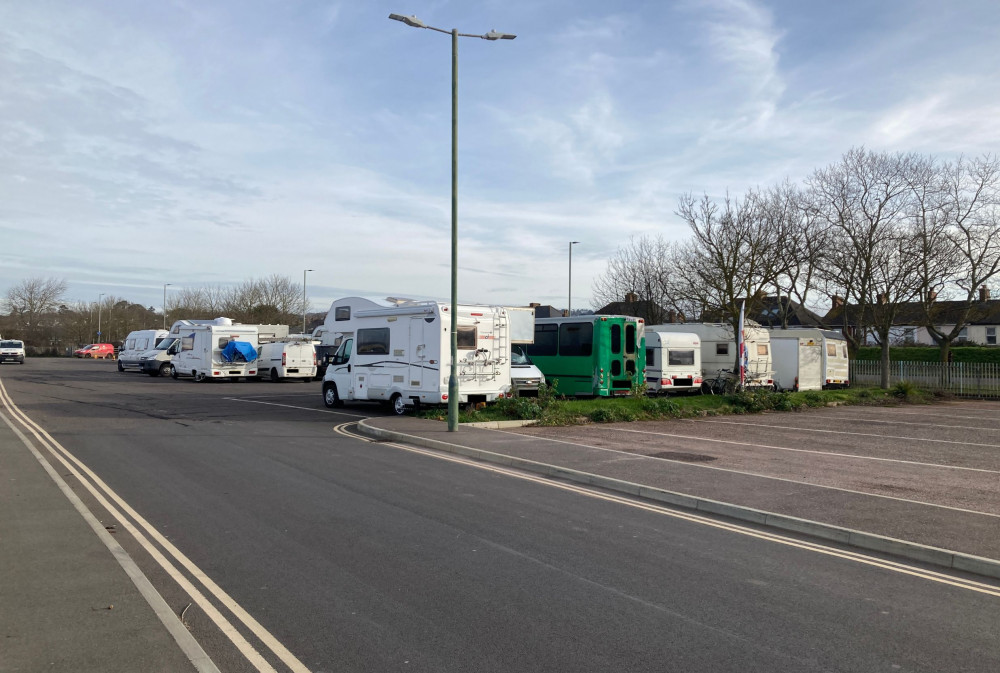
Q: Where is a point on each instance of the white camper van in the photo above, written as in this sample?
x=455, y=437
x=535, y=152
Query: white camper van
x=718, y=349
x=673, y=362
x=808, y=358
x=279, y=360
x=136, y=344
x=218, y=349
x=400, y=352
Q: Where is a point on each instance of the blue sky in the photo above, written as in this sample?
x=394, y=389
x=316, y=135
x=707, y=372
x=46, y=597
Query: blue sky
x=198, y=143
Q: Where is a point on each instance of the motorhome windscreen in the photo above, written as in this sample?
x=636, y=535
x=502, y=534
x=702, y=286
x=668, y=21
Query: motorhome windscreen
x=467, y=337
x=166, y=343
x=159, y=340
x=680, y=357
x=373, y=341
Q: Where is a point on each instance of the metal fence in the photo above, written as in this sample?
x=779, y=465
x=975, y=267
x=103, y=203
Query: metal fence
x=978, y=379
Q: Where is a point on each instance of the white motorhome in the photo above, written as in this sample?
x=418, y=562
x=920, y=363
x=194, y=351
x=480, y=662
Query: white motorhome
x=718, y=349
x=137, y=344
x=673, y=362
x=213, y=349
x=807, y=358
x=400, y=352
x=279, y=360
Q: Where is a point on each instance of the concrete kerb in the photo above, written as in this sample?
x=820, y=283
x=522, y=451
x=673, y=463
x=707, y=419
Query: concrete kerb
x=855, y=538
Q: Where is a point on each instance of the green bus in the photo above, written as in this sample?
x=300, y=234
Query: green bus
x=590, y=355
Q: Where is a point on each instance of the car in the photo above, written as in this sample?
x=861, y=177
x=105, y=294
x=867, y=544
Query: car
x=96, y=351
x=12, y=350
x=525, y=377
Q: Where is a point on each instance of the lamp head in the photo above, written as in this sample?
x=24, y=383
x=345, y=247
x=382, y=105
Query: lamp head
x=494, y=35
x=408, y=20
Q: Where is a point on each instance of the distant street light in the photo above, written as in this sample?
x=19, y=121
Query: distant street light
x=492, y=35
x=569, y=296
x=99, y=317
x=304, y=272
x=165, y=304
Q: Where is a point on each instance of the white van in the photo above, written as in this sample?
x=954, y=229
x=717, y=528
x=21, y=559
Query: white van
x=287, y=359
x=525, y=377
x=12, y=350
x=136, y=344
x=673, y=362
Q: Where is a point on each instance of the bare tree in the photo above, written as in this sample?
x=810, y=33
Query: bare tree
x=640, y=267
x=29, y=301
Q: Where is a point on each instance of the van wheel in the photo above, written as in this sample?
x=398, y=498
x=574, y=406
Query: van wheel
x=120, y=367
x=274, y=375
x=397, y=405
x=166, y=369
x=330, y=397
x=173, y=372
x=199, y=376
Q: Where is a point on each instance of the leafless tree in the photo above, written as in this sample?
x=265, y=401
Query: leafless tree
x=28, y=303
x=640, y=267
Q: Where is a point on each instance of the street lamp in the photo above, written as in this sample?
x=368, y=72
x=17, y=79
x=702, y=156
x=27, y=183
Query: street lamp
x=165, y=304
x=304, y=272
x=99, y=317
x=492, y=35
x=569, y=296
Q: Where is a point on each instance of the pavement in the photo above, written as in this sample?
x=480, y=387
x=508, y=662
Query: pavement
x=946, y=537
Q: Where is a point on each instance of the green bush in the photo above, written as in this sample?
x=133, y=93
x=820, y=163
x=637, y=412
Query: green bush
x=520, y=408
x=612, y=414
x=814, y=398
x=930, y=353
x=660, y=406
x=906, y=390
x=754, y=400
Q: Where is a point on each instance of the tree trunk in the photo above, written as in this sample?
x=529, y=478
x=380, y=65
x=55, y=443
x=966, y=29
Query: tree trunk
x=885, y=361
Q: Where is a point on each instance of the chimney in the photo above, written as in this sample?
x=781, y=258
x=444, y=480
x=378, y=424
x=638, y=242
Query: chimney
x=631, y=297
x=984, y=293
x=565, y=313
x=534, y=304
x=838, y=301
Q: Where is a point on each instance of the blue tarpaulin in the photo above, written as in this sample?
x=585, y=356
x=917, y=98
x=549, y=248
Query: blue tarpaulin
x=239, y=351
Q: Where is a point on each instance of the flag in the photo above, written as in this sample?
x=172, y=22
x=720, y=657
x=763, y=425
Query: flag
x=741, y=348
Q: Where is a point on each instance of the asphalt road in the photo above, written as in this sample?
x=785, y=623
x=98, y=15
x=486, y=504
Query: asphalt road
x=359, y=556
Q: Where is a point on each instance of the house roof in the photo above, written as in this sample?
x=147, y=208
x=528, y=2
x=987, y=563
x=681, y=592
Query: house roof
x=770, y=312
x=649, y=311
x=911, y=313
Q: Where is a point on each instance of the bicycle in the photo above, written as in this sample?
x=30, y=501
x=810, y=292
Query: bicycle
x=724, y=383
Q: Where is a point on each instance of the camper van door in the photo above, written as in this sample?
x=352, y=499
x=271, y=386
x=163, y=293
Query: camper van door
x=417, y=357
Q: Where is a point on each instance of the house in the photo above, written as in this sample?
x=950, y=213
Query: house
x=983, y=321
x=650, y=311
x=770, y=312
x=546, y=311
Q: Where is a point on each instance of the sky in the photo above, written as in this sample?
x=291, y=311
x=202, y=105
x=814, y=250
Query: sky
x=207, y=143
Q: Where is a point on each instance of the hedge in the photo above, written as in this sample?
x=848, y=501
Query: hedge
x=931, y=353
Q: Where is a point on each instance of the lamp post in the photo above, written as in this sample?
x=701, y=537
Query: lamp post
x=304, y=272
x=569, y=295
x=165, y=285
x=492, y=35
x=99, y=317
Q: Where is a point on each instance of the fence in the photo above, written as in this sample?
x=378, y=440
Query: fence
x=977, y=379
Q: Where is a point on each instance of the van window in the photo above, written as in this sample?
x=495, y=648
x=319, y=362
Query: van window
x=187, y=343
x=576, y=338
x=681, y=357
x=142, y=344
x=722, y=349
x=373, y=341
x=761, y=349
x=546, y=340
x=629, y=339
x=342, y=313
x=616, y=339
x=467, y=337
x=130, y=344
x=343, y=353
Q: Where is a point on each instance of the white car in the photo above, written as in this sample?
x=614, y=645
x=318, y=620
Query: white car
x=12, y=350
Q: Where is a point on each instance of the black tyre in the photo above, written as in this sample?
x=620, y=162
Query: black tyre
x=330, y=397
x=199, y=377
x=121, y=367
x=706, y=388
x=274, y=375
x=166, y=369
x=397, y=405
x=173, y=372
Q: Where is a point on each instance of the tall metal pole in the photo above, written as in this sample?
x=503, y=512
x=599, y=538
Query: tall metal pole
x=165, y=304
x=304, y=271
x=569, y=295
x=453, y=378
x=99, y=317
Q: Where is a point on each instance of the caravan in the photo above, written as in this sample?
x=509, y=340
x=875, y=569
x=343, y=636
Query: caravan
x=808, y=358
x=213, y=349
x=673, y=362
x=718, y=350
x=400, y=352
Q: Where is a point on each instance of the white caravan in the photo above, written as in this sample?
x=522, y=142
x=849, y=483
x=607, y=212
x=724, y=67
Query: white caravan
x=400, y=352
x=673, y=362
x=280, y=360
x=718, y=349
x=213, y=349
x=809, y=358
x=137, y=344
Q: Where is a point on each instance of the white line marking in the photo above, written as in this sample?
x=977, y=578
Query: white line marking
x=752, y=474
x=292, y=406
x=95, y=483
x=185, y=640
x=893, y=566
x=863, y=419
x=861, y=434
x=931, y=413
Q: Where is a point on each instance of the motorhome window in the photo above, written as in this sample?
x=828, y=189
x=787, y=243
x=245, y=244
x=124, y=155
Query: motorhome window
x=616, y=339
x=223, y=342
x=143, y=344
x=629, y=339
x=343, y=353
x=373, y=341
x=650, y=353
x=467, y=337
x=187, y=343
x=761, y=349
x=576, y=338
x=342, y=313
x=831, y=350
x=722, y=349
x=546, y=340
x=130, y=344
x=678, y=357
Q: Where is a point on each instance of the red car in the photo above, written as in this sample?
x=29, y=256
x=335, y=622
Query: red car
x=103, y=351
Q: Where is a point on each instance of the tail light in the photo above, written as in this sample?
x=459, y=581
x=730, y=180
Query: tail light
x=283, y=356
